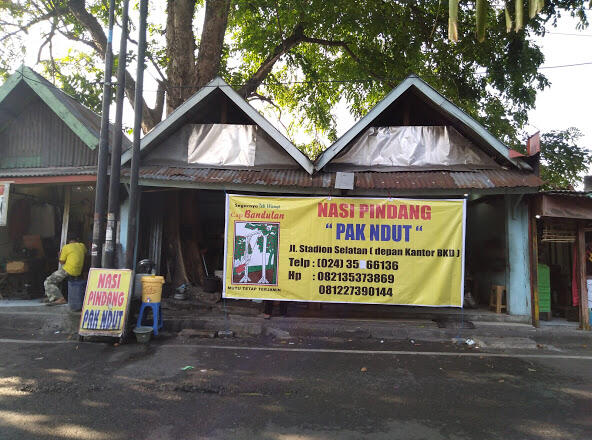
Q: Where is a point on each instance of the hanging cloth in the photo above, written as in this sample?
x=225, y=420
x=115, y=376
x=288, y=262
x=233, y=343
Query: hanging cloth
x=575, y=292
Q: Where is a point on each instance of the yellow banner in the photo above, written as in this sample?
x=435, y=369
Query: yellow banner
x=334, y=249
x=106, y=300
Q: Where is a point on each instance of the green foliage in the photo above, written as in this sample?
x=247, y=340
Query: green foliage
x=271, y=231
x=495, y=81
x=78, y=75
x=352, y=50
x=564, y=162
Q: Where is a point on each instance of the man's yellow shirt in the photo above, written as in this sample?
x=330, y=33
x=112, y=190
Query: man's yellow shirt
x=73, y=255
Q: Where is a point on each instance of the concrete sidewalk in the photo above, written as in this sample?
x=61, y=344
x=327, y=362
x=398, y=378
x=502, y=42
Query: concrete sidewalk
x=243, y=320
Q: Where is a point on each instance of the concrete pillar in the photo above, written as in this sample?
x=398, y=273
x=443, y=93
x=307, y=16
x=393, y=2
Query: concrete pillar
x=123, y=212
x=124, y=207
x=517, y=266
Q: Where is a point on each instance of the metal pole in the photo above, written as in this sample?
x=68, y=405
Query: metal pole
x=132, y=226
x=101, y=188
x=114, y=182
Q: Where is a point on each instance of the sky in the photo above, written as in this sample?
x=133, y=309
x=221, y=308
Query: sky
x=566, y=103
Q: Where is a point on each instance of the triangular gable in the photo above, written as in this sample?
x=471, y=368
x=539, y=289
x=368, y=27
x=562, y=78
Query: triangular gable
x=178, y=118
x=82, y=121
x=441, y=104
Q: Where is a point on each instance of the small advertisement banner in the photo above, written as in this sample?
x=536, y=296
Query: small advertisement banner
x=4, y=193
x=106, y=302
x=345, y=250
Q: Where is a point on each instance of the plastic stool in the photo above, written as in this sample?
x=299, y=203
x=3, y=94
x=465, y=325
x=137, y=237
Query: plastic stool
x=156, y=316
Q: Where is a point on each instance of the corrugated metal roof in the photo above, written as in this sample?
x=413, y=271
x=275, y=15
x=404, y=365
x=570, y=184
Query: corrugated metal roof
x=479, y=179
x=85, y=115
x=85, y=123
x=297, y=178
x=568, y=193
x=48, y=171
x=38, y=138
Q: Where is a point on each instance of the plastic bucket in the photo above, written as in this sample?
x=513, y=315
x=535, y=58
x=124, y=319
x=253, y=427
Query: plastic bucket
x=76, y=290
x=152, y=288
x=143, y=334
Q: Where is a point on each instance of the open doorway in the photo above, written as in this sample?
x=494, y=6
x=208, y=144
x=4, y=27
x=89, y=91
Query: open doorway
x=559, y=296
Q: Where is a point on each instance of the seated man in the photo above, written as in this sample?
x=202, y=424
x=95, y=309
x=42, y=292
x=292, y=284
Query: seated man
x=72, y=260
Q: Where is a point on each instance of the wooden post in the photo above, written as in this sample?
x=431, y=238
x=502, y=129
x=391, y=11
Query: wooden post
x=534, y=264
x=581, y=277
x=66, y=216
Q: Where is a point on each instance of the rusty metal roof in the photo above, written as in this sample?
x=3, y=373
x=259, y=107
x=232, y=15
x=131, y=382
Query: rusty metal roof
x=297, y=178
x=479, y=179
x=48, y=171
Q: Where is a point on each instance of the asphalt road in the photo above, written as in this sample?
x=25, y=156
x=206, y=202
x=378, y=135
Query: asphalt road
x=304, y=390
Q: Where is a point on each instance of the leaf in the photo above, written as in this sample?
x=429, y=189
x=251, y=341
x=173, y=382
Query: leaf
x=534, y=7
x=480, y=19
x=519, y=11
x=453, y=20
x=508, y=19
x=563, y=161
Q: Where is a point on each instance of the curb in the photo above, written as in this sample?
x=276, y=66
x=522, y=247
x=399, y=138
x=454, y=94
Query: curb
x=46, y=319
x=485, y=334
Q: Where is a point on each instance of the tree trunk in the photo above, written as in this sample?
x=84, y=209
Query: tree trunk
x=180, y=42
x=192, y=237
x=173, y=242
x=186, y=75
x=212, y=41
x=150, y=116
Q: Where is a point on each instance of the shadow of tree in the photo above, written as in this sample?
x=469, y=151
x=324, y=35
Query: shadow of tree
x=97, y=391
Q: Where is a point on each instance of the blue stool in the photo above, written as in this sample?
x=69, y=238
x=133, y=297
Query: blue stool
x=156, y=316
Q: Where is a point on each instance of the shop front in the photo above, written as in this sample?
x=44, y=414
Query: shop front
x=412, y=154
x=561, y=250
x=48, y=157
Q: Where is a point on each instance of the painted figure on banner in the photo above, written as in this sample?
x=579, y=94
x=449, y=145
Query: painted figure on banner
x=255, y=253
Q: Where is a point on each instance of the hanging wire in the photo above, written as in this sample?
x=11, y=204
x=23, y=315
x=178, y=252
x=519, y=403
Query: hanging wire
x=317, y=81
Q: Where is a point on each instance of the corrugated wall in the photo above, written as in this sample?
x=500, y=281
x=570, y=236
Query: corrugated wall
x=37, y=137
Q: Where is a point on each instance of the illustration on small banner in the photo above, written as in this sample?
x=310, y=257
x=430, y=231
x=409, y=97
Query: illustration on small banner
x=255, y=253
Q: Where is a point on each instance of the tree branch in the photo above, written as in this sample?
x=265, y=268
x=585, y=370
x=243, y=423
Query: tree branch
x=25, y=27
x=265, y=69
x=344, y=45
x=150, y=117
x=71, y=36
x=47, y=40
x=288, y=44
x=256, y=95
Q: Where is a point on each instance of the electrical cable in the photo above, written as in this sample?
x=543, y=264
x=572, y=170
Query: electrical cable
x=344, y=81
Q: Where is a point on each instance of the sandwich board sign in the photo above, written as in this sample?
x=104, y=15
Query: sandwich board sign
x=106, y=302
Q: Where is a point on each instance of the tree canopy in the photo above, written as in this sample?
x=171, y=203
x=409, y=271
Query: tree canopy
x=303, y=57
x=564, y=162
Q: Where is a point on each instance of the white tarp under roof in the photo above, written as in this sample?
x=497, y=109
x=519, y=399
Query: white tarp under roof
x=221, y=146
x=412, y=147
